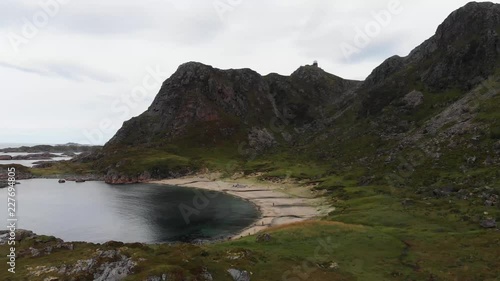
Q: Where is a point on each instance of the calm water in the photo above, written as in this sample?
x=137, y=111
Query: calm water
x=98, y=212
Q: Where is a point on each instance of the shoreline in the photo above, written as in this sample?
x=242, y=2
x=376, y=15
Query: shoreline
x=276, y=207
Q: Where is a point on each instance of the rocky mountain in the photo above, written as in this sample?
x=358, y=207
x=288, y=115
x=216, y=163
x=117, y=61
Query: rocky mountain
x=439, y=102
x=207, y=108
x=212, y=104
x=463, y=52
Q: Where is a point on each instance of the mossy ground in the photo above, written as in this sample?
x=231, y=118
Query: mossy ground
x=374, y=233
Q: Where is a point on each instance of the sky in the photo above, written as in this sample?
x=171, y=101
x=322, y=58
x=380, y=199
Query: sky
x=75, y=70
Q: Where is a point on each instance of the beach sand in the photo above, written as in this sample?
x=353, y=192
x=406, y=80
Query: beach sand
x=277, y=207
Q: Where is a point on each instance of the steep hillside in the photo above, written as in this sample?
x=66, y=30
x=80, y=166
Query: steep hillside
x=438, y=104
x=463, y=52
x=203, y=114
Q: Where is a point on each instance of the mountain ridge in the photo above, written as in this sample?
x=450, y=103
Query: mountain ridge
x=204, y=117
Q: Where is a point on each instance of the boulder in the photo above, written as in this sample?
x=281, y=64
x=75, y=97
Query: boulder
x=413, y=99
x=239, y=275
x=489, y=223
x=22, y=234
x=205, y=275
x=261, y=139
x=264, y=237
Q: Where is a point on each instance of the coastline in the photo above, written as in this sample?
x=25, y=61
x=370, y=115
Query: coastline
x=276, y=206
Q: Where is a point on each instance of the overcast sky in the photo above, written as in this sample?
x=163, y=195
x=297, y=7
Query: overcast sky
x=74, y=70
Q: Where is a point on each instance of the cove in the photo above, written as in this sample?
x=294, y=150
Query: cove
x=146, y=213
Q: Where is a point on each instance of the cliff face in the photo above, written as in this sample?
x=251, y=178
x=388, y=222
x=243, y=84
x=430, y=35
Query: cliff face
x=464, y=51
x=203, y=107
x=436, y=98
x=201, y=100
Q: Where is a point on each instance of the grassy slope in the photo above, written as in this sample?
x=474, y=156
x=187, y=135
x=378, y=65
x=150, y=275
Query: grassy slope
x=370, y=236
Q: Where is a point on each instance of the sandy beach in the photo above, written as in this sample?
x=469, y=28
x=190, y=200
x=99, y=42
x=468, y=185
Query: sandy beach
x=277, y=206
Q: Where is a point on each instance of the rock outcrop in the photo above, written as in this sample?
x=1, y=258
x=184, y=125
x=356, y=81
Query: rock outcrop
x=464, y=51
x=217, y=104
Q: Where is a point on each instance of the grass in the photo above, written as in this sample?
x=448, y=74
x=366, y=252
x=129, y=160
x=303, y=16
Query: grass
x=370, y=235
x=62, y=169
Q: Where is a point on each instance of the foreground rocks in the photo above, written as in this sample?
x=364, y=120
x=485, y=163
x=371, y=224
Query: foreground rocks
x=50, y=258
x=102, y=265
x=239, y=275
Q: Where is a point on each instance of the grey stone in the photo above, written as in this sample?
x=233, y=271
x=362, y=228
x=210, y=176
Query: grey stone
x=34, y=252
x=413, y=99
x=115, y=271
x=239, y=275
x=489, y=223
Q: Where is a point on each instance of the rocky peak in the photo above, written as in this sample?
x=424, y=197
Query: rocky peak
x=474, y=17
x=383, y=71
x=473, y=21
x=200, y=98
x=464, y=51
x=191, y=71
x=310, y=73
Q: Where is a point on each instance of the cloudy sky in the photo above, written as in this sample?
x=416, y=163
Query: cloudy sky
x=74, y=70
